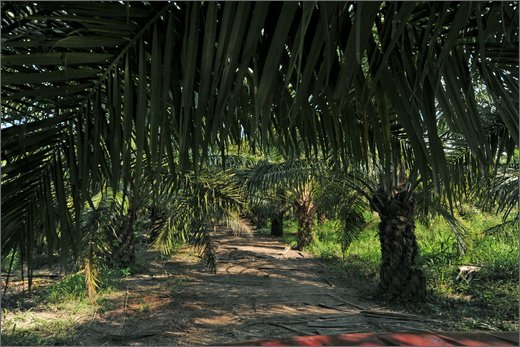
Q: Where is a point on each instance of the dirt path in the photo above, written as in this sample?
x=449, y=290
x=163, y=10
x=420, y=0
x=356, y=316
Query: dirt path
x=260, y=290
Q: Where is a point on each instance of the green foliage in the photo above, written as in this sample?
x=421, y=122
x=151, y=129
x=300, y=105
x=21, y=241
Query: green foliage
x=73, y=287
x=192, y=200
x=437, y=243
x=496, y=253
x=366, y=251
x=42, y=332
x=290, y=229
x=238, y=225
x=259, y=213
x=101, y=217
x=328, y=242
x=12, y=257
x=487, y=301
x=337, y=197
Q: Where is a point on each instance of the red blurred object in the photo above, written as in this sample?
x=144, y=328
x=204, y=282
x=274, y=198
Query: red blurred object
x=396, y=339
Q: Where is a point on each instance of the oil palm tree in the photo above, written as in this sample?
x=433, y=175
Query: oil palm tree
x=87, y=86
x=192, y=204
x=292, y=184
x=281, y=207
x=343, y=198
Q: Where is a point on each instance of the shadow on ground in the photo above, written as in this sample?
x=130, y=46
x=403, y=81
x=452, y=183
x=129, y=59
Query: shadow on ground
x=260, y=289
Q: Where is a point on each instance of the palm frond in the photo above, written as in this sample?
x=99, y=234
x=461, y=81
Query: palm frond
x=190, y=201
x=238, y=225
x=98, y=219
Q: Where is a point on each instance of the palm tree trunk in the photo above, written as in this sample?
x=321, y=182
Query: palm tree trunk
x=277, y=224
x=157, y=221
x=305, y=217
x=305, y=234
x=123, y=247
x=399, y=275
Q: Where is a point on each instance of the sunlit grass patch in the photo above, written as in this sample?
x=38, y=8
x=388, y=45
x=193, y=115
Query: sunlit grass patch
x=488, y=301
x=58, y=310
x=26, y=328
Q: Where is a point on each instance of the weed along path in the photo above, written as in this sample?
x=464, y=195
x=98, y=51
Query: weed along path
x=261, y=289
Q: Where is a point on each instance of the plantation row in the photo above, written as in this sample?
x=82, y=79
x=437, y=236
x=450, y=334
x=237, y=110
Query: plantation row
x=182, y=115
x=255, y=193
x=339, y=227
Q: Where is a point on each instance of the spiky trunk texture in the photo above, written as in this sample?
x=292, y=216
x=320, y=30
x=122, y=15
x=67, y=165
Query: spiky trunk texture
x=305, y=217
x=123, y=247
x=278, y=214
x=305, y=234
x=399, y=275
x=277, y=224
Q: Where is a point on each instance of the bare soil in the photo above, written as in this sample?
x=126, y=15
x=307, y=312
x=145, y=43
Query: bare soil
x=261, y=289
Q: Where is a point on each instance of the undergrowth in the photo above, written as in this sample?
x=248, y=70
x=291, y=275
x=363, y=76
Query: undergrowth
x=66, y=300
x=488, y=301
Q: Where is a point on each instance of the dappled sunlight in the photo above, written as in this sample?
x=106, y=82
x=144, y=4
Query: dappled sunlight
x=253, y=294
x=250, y=296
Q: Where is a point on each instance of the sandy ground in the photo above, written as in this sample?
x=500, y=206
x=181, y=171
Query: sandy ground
x=261, y=289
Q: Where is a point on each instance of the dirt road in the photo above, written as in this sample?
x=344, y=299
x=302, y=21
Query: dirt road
x=261, y=289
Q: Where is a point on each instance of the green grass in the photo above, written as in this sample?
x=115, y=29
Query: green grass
x=290, y=229
x=26, y=330
x=489, y=301
x=64, y=301
x=72, y=287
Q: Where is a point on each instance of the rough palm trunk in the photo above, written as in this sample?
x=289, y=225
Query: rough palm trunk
x=305, y=235
x=123, y=246
x=279, y=212
x=305, y=217
x=277, y=224
x=399, y=275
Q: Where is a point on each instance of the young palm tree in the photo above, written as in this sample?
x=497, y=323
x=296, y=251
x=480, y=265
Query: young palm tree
x=398, y=275
x=280, y=208
x=193, y=205
x=295, y=178
x=344, y=199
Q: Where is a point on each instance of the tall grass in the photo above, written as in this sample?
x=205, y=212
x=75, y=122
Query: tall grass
x=73, y=288
x=487, y=301
x=24, y=327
